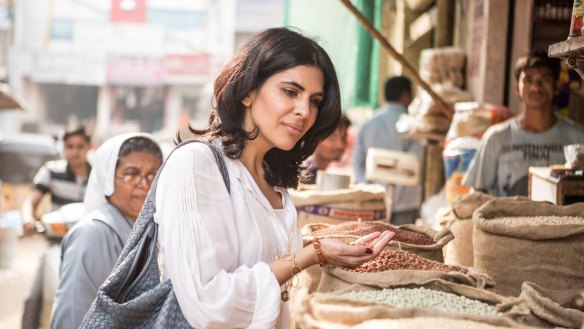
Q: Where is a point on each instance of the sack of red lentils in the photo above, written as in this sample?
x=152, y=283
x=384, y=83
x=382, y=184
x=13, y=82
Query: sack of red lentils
x=362, y=303
x=551, y=308
x=359, y=202
x=420, y=240
x=522, y=240
x=397, y=268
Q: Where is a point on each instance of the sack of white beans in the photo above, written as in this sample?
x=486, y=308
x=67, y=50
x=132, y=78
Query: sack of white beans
x=522, y=240
x=552, y=307
x=361, y=303
x=397, y=268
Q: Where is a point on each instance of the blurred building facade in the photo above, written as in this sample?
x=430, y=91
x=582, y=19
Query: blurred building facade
x=125, y=65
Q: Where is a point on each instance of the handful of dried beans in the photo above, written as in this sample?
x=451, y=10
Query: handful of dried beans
x=364, y=228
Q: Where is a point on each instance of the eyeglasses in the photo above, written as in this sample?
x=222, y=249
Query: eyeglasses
x=136, y=178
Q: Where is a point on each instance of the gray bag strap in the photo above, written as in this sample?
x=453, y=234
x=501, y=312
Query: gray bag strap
x=146, y=248
x=218, y=157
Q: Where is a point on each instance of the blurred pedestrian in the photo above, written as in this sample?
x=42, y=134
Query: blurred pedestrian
x=124, y=168
x=380, y=132
x=330, y=149
x=65, y=180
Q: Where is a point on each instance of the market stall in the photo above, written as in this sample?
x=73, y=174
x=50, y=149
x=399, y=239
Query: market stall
x=494, y=263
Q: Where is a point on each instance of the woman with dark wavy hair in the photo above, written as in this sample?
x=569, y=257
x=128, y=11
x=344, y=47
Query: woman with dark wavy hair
x=232, y=256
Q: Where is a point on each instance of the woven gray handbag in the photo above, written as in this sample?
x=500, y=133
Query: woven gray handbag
x=133, y=295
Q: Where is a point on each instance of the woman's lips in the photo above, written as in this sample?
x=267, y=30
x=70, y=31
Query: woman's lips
x=294, y=128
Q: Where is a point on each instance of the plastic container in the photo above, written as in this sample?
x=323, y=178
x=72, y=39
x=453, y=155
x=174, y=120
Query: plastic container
x=457, y=156
x=576, y=22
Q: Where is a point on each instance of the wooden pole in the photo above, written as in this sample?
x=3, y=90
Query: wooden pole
x=408, y=69
x=445, y=27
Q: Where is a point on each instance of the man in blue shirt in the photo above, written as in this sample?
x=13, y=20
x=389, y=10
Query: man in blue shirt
x=380, y=132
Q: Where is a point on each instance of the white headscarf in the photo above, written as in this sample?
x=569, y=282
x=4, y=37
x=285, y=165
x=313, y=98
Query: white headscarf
x=101, y=179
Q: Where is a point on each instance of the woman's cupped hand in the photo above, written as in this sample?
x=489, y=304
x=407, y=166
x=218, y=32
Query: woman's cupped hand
x=357, y=252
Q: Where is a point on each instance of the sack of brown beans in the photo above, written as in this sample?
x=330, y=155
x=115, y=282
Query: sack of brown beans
x=359, y=202
x=522, y=240
x=420, y=240
x=459, y=221
x=361, y=303
x=551, y=308
x=397, y=268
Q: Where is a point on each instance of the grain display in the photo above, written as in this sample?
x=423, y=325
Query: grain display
x=364, y=228
x=403, y=260
x=426, y=298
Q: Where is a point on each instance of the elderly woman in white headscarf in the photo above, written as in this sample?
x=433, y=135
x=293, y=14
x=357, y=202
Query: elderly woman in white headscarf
x=123, y=171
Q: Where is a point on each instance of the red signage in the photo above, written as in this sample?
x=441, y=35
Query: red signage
x=134, y=70
x=128, y=11
x=198, y=65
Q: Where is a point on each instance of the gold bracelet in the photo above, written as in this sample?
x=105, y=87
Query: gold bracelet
x=294, y=271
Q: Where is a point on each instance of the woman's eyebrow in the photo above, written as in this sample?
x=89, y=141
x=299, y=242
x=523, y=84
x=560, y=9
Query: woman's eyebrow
x=295, y=84
x=299, y=86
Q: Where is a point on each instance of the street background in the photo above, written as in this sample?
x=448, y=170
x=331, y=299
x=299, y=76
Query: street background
x=16, y=281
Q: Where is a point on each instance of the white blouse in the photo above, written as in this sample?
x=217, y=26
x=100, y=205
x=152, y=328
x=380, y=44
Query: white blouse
x=215, y=246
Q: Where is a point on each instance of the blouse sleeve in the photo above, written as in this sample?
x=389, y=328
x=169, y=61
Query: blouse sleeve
x=198, y=238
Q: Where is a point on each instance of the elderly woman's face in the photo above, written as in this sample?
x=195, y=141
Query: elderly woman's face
x=132, y=181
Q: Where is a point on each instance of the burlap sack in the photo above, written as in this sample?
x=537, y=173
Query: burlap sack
x=433, y=251
x=459, y=222
x=365, y=202
x=551, y=308
x=425, y=322
x=513, y=245
x=310, y=277
x=333, y=309
x=337, y=279
x=466, y=206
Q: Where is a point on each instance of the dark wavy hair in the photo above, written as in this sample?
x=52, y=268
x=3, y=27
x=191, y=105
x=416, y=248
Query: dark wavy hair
x=268, y=53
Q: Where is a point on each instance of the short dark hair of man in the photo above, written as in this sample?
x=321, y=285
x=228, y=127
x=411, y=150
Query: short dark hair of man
x=537, y=59
x=395, y=87
x=77, y=130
